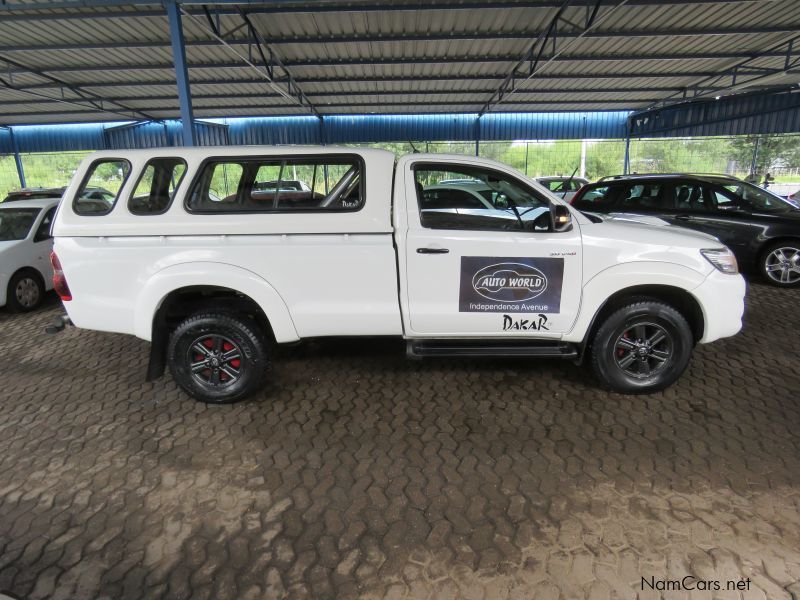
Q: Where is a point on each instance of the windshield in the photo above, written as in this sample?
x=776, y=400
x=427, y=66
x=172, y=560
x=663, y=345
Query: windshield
x=16, y=223
x=756, y=198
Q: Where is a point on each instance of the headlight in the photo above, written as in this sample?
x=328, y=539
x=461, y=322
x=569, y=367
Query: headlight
x=722, y=258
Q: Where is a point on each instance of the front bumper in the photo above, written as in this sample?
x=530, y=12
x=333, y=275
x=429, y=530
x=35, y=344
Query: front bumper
x=721, y=298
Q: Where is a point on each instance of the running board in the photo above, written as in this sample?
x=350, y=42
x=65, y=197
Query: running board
x=543, y=349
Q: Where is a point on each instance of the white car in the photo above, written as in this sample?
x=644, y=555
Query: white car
x=25, y=245
x=562, y=186
x=215, y=284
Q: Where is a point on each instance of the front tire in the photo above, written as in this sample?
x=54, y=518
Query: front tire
x=217, y=357
x=25, y=291
x=642, y=348
x=780, y=264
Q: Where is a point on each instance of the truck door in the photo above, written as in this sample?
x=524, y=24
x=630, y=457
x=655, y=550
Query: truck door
x=484, y=260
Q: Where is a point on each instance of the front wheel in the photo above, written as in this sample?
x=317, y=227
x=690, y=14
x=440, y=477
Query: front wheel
x=218, y=357
x=641, y=348
x=780, y=264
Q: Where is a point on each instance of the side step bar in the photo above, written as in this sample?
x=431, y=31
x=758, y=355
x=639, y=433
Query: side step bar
x=545, y=349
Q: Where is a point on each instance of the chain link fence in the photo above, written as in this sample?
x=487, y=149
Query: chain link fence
x=41, y=170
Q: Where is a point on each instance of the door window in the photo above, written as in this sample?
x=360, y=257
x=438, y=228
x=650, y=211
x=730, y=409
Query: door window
x=642, y=196
x=596, y=197
x=475, y=198
x=689, y=197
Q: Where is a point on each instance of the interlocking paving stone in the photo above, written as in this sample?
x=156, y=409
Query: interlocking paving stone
x=359, y=474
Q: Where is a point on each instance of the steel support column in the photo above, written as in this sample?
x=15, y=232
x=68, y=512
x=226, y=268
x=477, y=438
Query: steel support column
x=626, y=166
x=17, y=158
x=478, y=136
x=181, y=70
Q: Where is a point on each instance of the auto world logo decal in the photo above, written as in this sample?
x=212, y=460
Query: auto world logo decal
x=510, y=284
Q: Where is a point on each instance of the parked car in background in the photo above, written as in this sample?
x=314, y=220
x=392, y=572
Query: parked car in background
x=25, y=246
x=34, y=194
x=761, y=228
x=563, y=187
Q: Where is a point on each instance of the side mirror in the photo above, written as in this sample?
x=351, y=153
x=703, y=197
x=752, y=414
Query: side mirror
x=562, y=218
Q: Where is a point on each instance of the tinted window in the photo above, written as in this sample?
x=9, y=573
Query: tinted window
x=596, y=197
x=16, y=223
x=642, y=196
x=752, y=197
x=453, y=197
x=156, y=187
x=689, y=197
x=282, y=185
x=108, y=175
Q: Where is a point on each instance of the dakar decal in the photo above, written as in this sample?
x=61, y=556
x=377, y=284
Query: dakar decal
x=510, y=285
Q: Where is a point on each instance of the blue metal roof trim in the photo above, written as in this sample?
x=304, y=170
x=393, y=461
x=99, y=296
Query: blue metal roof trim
x=57, y=138
x=274, y=130
x=554, y=126
x=735, y=115
x=341, y=129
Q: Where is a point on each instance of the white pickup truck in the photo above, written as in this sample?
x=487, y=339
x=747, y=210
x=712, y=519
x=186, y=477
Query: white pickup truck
x=216, y=254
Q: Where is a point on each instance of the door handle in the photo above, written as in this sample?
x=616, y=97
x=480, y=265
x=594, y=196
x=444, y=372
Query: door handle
x=432, y=250
x=683, y=217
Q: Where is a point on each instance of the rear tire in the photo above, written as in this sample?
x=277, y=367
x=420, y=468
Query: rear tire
x=779, y=264
x=218, y=357
x=25, y=291
x=642, y=348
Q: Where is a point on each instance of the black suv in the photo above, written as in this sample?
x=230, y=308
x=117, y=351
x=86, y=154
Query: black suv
x=762, y=229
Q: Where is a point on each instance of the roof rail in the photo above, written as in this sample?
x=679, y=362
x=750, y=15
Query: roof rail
x=674, y=174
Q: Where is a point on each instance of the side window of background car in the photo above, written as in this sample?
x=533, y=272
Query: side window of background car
x=474, y=198
x=689, y=197
x=723, y=199
x=43, y=232
x=642, y=196
x=597, y=197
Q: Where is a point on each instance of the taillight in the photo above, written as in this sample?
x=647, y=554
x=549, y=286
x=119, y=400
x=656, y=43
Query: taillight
x=59, y=281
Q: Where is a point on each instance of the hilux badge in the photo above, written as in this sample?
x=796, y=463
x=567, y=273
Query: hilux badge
x=509, y=282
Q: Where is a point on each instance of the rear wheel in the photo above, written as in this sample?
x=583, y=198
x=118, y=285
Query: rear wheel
x=780, y=264
x=642, y=347
x=218, y=357
x=25, y=291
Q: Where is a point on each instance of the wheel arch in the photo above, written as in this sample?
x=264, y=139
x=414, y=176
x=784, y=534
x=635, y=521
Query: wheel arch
x=180, y=290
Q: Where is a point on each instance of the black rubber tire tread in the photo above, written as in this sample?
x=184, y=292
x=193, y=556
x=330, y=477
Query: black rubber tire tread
x=762, y=263
x=11, y=298
x=606, y=369
x=241, y=329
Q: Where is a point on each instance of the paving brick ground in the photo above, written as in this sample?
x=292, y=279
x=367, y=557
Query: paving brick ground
x=359, y=474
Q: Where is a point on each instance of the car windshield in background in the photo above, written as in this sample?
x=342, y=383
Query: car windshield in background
x=16, y=223
x=755, y=198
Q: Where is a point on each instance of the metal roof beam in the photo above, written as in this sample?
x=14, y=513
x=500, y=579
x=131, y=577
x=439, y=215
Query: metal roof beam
x=410, y=60
x=448, y=92
x=260, y=107
x=379, y=79
x=271, y=62
x=405, y=37
x=742, y=75
x=92, y=101
x=19, y=12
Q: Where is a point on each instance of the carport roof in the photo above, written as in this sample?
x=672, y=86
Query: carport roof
x=100, y=60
